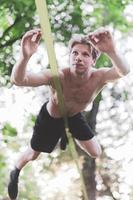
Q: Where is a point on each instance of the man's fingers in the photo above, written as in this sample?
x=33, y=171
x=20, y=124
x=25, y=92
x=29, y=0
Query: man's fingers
x=99, y=35
x=31, y=32
x=93, y=40
x=100, y=32
x=33, y=36
x=36, y=37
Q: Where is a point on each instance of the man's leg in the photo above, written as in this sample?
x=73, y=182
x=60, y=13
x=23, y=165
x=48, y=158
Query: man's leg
x=27, y=156
x=91, y=147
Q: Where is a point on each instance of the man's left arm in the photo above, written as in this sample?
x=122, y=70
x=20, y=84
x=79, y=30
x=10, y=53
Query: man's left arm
x=103, y=41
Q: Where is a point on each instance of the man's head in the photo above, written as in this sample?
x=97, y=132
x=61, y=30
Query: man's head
x=83, y=55
x=82, y=39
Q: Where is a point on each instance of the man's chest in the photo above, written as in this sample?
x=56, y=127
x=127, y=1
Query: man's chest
x=80, y=93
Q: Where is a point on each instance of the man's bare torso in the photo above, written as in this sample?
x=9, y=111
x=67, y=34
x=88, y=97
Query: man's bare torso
x=77, y=93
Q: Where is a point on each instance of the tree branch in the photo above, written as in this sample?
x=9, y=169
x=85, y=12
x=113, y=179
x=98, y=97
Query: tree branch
x=92, y=115
x=10, y=27
x=10, y=42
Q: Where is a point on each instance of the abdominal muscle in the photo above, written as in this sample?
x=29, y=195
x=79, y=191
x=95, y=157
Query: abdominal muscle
x=71, y=109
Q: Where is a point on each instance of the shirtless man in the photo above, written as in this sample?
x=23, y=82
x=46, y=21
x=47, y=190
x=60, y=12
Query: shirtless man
x=80, y=85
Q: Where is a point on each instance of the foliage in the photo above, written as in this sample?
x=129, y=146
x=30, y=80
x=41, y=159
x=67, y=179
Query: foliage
x=3, y=171
x=8, y=130
x=15, y=19
x=66, y=17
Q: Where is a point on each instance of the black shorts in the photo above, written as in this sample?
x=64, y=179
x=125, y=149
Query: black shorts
x=48, y=130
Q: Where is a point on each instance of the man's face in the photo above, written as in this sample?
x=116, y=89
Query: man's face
x=81, y=59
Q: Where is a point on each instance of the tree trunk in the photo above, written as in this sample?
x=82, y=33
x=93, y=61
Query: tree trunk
x=89, y=165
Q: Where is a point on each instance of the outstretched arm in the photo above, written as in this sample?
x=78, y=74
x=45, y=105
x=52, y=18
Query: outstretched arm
x=103, y=41
x=20, y=76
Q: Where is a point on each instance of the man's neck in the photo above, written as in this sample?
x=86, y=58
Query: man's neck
x=81, y=77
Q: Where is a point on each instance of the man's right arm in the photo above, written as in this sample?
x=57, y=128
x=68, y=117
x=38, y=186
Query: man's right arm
x=20, y=76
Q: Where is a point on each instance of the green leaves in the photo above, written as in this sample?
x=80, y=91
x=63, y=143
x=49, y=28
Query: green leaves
x=103, y=61
x=8, y=130
x=15, y=19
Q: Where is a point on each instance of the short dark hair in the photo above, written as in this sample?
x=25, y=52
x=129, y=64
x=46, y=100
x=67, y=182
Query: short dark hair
x=82, y=39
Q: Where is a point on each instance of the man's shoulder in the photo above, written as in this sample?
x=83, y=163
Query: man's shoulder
x=107, y=74
x=64, y=71
x=99, y=74
x=100, y=71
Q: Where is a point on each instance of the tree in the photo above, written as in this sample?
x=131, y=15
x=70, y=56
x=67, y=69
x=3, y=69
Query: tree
x=15, y=19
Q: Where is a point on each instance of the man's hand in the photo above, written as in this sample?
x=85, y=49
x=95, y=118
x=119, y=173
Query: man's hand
x=102, y=40
x=30, y=42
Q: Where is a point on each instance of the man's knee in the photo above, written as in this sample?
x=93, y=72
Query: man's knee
x=96, y=153
x=91, y=147
x=32, y=155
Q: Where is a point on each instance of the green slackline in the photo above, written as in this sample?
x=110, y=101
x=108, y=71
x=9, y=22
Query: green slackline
x=47, y=36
